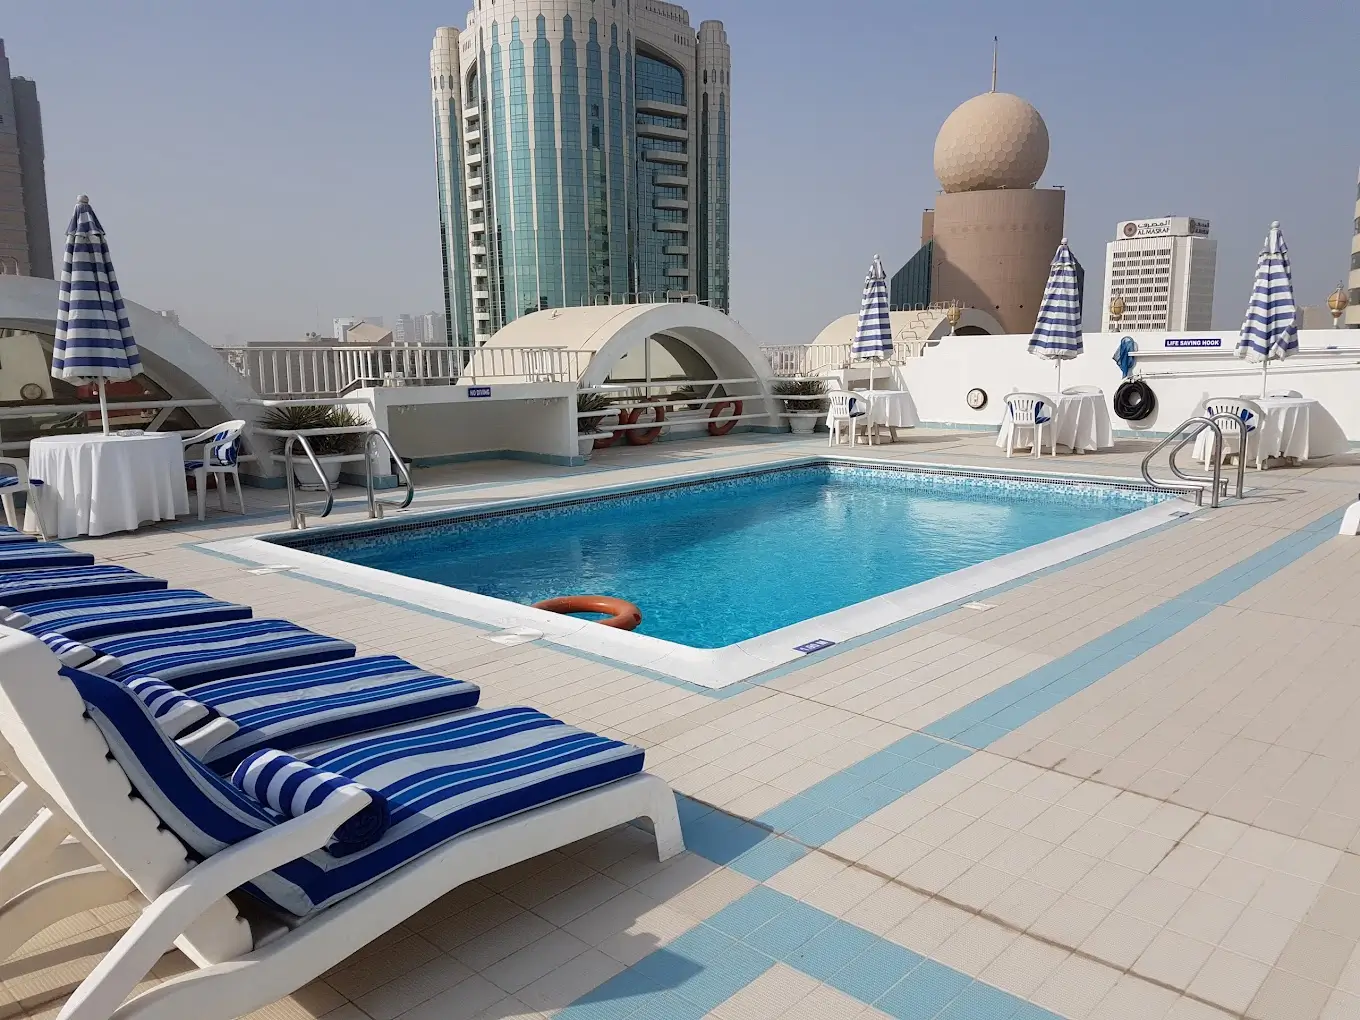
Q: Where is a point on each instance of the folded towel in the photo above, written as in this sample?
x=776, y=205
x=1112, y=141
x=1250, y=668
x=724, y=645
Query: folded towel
x=291, y=787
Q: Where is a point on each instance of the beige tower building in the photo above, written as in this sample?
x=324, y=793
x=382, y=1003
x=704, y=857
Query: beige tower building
x=994, y=232
x=1351, y=317
x=25, y=239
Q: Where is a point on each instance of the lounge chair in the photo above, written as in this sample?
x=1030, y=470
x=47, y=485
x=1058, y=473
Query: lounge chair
x=99, y=616
x=27, y=555
x=9, y=534
x=185, y=656
x=19, y=588
x=146, y=817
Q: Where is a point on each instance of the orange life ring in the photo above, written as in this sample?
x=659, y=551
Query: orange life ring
x=641, y=437
x=714, y=429
x=623, y=615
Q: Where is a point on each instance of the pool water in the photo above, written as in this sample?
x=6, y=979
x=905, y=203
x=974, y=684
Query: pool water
x=714, y=563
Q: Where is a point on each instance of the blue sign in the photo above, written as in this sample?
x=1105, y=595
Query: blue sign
x=478, y=391
x=814, y=646
x=1194, y=341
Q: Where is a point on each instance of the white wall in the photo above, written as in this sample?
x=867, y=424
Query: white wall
x=22, y=362
x=1181, y=378
x=441, y=421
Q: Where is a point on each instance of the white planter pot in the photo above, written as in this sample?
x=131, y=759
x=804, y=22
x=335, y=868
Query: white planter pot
x=307, y=479
x=802, y=426
x=585, y=443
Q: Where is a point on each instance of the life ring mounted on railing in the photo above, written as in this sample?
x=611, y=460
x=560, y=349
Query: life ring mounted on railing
x=621, y=614
x=716, y=428
x=641, y=437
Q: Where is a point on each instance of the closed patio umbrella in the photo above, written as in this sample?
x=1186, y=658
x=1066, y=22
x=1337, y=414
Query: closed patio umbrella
x=94, y=339
x=873, y=333
x=1057, y=330
x=1270, y=331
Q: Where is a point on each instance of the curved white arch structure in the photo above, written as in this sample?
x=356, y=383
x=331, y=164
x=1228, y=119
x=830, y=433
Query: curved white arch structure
x=612, y=332
x=925, y=325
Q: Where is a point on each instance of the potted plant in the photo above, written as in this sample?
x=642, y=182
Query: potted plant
x=328, y=449
x=588, y=429
x=812, y=391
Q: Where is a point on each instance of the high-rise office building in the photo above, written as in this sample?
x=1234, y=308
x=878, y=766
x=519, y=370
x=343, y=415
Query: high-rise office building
x=25, y=235
x=406, y=330
x=1164, y=271
x=583, y=155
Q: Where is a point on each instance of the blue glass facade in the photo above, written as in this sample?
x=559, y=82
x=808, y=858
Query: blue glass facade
x=587, y=192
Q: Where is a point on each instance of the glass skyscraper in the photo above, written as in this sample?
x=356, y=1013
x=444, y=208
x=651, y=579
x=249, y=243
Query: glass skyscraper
x=582, y=157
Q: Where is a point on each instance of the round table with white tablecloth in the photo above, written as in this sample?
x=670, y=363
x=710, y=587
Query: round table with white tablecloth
x=1296, y=428
x=889, y=409
x=96, y=484
x=1082, y=423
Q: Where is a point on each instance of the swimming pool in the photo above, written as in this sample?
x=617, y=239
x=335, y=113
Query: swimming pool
x=724, y=560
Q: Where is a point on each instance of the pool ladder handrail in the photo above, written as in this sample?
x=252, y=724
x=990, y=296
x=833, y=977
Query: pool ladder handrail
x=1201, y=423
x=376, y=505
x=297, y=515
x=1218, y=454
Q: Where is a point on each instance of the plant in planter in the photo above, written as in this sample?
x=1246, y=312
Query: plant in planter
x=588, y=429
x=813, y=392
x=327, y=448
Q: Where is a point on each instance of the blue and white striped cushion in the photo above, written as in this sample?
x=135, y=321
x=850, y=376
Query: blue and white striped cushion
x=195, y=655
x=21, y=588
x=440, y=778
x=71, y=653
x=8, y=534
x=8, y=481
x=290, y=707
x=292, y=788
x=222, y=450
x=175, y=713
x=26, y=555
x=85, y=619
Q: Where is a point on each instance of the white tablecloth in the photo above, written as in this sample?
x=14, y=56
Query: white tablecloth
x=1082, y=423
x=1297, y=428
x=96, y=484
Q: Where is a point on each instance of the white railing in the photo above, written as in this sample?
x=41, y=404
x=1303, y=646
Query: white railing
x=798, y=361
x=288, y=370
x=85, y=417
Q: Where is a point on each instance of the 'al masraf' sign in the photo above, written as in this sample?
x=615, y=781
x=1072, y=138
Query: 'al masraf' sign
x=1168, y=226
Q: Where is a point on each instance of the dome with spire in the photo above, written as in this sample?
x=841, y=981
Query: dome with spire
x=991, y=142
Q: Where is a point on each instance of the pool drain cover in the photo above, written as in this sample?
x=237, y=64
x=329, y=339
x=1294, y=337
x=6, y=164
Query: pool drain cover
x=515, y=636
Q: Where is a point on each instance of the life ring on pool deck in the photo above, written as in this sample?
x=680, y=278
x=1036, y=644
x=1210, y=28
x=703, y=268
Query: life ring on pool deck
x=641, y=437
x=716, y=429
x=622, y=615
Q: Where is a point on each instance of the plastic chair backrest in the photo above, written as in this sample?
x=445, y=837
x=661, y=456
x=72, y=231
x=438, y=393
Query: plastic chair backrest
x=843, y=404
x=1247, y=412
x=1027, y=408
x=221, y=442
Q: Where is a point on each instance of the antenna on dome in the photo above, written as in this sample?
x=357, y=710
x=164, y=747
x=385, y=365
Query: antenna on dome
x=995, y=47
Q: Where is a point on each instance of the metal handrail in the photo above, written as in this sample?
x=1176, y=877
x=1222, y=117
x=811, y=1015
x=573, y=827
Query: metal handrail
x=1203, y=423
x=376, y=505
x=1241, y=459
x=297, y=516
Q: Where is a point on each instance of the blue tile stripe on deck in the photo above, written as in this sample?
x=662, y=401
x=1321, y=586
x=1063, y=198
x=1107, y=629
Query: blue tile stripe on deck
x=726, y=953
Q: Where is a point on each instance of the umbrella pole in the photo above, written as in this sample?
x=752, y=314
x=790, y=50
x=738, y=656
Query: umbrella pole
x=1060, y=377
x=103, y=406
x=1265, y=369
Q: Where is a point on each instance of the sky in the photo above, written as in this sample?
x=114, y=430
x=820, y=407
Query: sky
x=262, y=167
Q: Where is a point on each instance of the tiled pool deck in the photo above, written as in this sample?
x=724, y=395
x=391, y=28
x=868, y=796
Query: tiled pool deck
x=1124, y=788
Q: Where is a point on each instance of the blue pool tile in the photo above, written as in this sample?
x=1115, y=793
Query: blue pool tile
x=789, y=932
x=768, y=858
x=833, y=789
x=690, y=810
x=868, y=799
x=704, y=967
x=981, y=1001
x=911, y=745
x=944, y=756
x=876, y=765
x=616, y=999
x=831, y=950
x=909, y=776
x=721, y=838
x=981, y=735
x=789, y=813
x=924, y=993
x=874, y=971
x=823, y=827
x=743, y=916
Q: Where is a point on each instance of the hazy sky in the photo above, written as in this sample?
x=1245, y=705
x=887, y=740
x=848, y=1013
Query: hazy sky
x=265, y=166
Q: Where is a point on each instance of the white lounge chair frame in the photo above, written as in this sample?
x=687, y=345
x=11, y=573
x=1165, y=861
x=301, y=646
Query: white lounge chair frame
x=87, y=840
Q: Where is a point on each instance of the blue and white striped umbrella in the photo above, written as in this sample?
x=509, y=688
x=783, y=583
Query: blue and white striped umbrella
x=1270, y=332
x=873, y=333
x=1057, y=330
x=94, y=339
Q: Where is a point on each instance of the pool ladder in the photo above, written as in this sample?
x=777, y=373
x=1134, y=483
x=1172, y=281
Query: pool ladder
x=1218, y=485
x=374, y=440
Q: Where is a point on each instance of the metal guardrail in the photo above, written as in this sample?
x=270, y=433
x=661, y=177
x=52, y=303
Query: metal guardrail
x=1241, y=455
x=1175, y=435
x=376, y=505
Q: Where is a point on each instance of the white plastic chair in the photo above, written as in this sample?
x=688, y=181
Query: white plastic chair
x=1249, y=417
x=12, y=485
x=845, y=408
x=1033, y=413
x=220, y=454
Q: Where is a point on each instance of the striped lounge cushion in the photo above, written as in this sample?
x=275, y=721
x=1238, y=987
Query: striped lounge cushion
x=287, y=708
x=8, y=534
x=439, y=778
x=27, y=555
x=196, y=655
x=85, y=619
x=22, y=588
